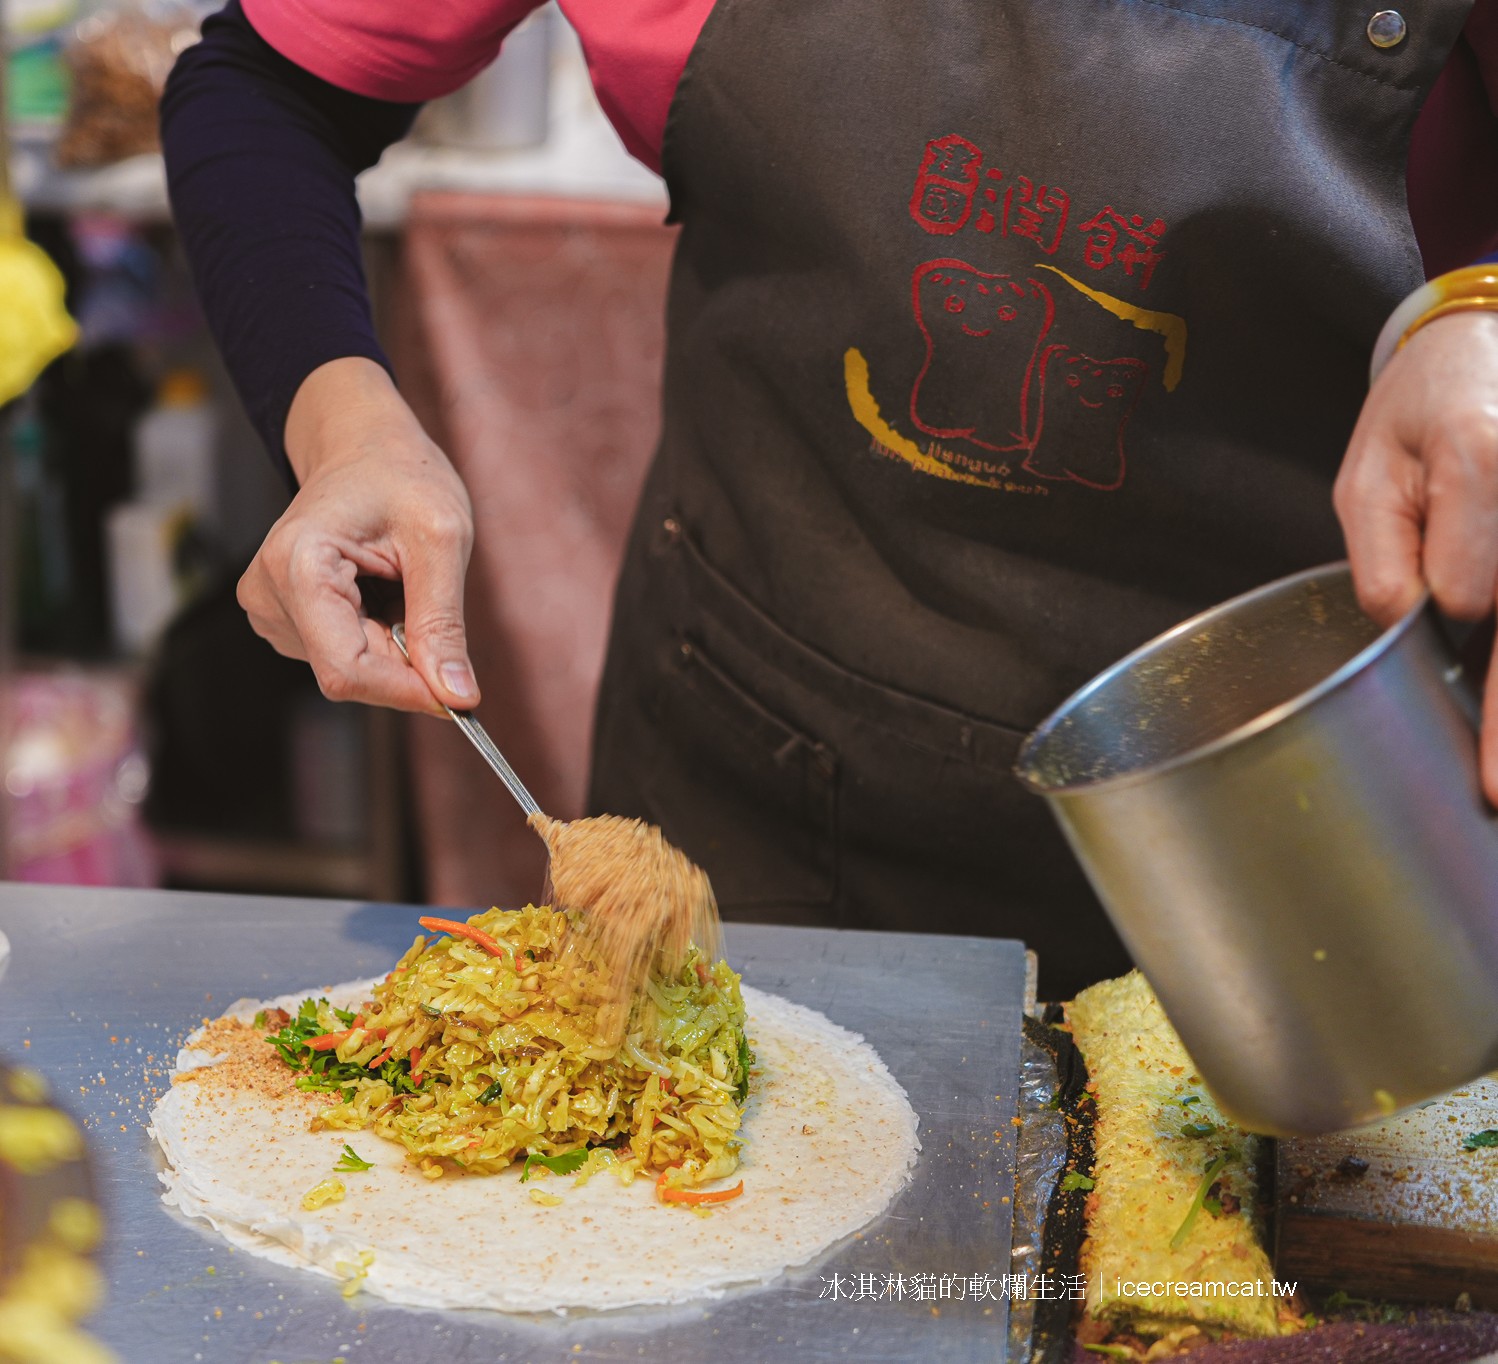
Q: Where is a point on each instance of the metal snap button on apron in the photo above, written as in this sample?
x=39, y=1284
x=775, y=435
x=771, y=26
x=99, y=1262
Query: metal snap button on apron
x=1387, y=28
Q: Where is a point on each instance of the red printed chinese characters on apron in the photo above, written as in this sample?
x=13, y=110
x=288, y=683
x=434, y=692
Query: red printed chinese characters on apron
x=999, y=376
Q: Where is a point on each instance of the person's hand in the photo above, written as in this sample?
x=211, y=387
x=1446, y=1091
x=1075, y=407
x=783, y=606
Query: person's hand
x=378, y=499
x=1417, y=493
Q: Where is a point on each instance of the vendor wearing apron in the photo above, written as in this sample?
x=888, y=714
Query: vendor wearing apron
x=1000, y=339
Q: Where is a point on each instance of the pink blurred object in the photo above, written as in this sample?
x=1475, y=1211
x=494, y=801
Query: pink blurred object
x=530, y=339
x=75, y=776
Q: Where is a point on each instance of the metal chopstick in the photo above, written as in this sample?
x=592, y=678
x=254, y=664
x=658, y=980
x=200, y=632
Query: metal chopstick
x=465, y=721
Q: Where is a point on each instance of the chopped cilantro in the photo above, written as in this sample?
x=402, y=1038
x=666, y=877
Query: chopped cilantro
x=1202, y=1190
x=568, y=1163
x=322, y=1070
x=351, y=1162
x=1476, y=1140
x=746, y=1059
x=1075, y=1179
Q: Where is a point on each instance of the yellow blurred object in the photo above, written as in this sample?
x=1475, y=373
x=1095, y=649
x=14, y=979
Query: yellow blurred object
x=50, y=1227
x=34, y=325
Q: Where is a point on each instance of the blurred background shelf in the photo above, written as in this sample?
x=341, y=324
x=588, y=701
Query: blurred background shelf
x=134, y=189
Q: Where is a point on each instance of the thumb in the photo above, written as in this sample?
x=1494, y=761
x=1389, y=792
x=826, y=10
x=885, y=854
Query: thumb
x=433, y=579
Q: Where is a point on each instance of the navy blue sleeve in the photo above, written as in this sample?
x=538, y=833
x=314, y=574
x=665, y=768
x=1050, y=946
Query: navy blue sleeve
x=261, y=157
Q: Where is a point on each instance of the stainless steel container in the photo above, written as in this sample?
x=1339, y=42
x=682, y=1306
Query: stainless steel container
x=1279, y=805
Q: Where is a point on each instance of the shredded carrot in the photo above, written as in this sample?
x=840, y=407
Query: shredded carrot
x=694, y=1199
x=329, y=1040
x=415, y=1065
x=691, y=1196
x=460, y=930
x=381, y=1058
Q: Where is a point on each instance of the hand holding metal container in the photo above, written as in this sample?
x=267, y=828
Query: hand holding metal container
x=1279, y=805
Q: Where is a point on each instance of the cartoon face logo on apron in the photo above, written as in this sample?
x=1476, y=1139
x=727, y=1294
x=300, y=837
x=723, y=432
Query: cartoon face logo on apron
x=1031, y=345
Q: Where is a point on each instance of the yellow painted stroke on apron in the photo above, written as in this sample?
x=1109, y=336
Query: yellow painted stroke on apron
x=1168, y=325
x=866, y=409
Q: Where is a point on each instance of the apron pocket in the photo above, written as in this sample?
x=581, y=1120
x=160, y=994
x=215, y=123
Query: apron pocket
x=750, y=796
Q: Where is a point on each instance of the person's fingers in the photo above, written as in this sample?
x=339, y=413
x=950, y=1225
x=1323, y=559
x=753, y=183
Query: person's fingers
x=1461, y=524
x=267, y=616
x=352, y=658
x=433, y=566
x=386, y=677
x=1380, y=500
x=355, y=660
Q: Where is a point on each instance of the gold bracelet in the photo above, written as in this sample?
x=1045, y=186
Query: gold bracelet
x=1474, y=288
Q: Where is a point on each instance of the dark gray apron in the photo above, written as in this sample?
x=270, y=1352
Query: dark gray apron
x=1002, y=337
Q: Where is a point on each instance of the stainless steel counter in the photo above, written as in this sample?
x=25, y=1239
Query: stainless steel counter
x=103, y=985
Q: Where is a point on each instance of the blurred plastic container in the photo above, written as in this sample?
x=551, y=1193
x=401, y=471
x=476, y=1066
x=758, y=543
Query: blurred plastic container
x=507, y=105
x=75, y=776
x=118, y=59
x=35, y=84
x=143, y=541
x=174, y=445
x=147, y=537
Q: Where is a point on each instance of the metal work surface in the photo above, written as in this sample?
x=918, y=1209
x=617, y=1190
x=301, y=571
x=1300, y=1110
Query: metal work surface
x=103, y=985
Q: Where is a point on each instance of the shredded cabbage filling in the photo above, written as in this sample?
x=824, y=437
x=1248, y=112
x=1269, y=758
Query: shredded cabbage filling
x=480, y=1059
